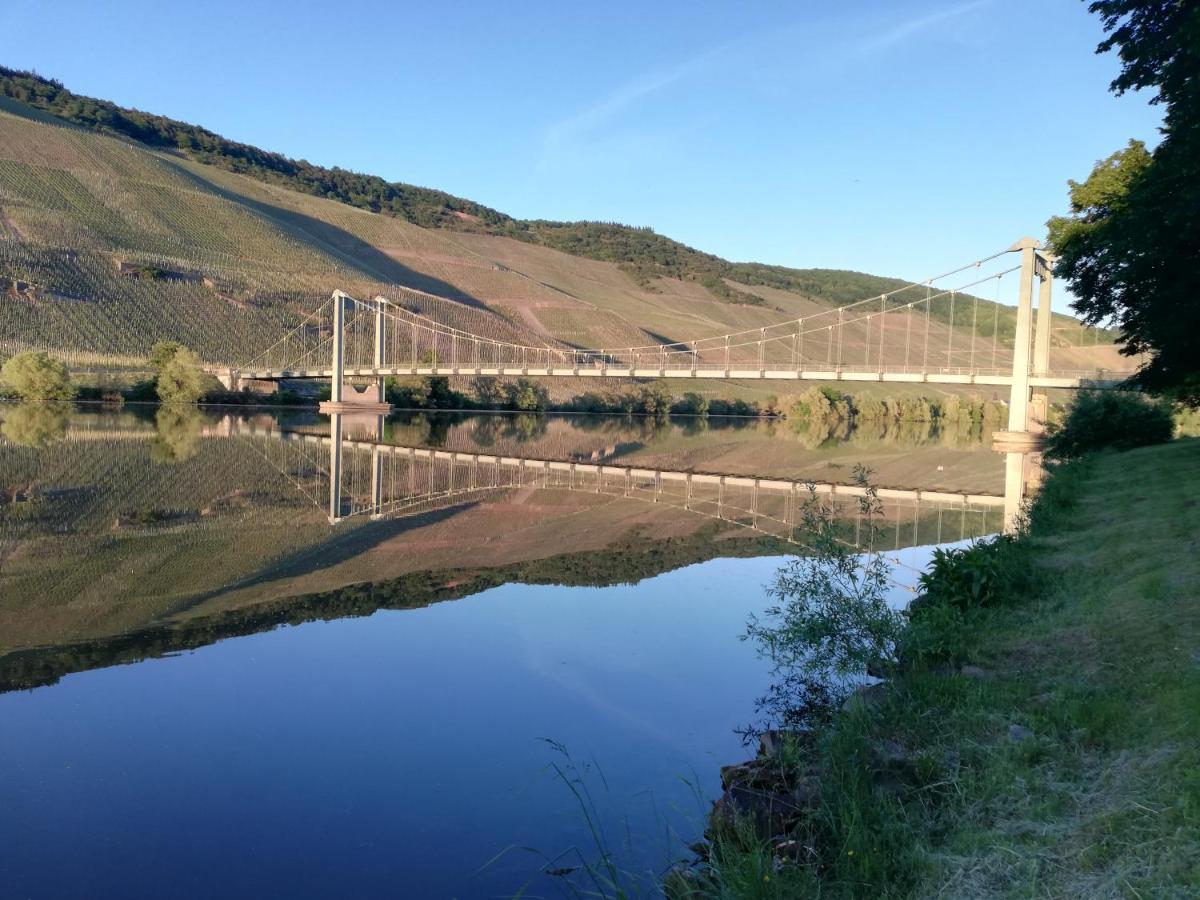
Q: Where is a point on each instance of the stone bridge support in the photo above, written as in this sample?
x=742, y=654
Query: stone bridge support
x=343, y=397
x=1022, y=441
x=1039, y=408
x=229, y=378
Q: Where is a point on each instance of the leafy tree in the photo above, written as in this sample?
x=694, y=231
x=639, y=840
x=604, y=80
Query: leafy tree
x=692, y=404
x=487, y=391
x=37, y=376
x=1130, y=248
x=526, y=396
x=408, y=393
x=831, y=620
x=442, y=396
x=180, y=379
x=655, y=399
x=162, y=353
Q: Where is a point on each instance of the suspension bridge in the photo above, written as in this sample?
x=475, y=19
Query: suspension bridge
x=883, y=338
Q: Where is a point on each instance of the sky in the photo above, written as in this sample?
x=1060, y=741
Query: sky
x=899, y=137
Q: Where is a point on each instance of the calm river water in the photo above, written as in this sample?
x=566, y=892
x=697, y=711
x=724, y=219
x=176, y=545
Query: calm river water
x=250, y=655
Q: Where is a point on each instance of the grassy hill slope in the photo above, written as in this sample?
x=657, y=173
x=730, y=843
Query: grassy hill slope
x=107, y=244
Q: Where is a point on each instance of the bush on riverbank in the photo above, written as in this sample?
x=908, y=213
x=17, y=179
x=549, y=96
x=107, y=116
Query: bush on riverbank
x=1099, y=420
x=38, y=377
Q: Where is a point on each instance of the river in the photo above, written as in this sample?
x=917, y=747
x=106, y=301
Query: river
x=267, y=654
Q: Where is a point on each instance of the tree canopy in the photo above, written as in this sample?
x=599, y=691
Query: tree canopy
x=180, y=379
x=37, y=376
x=163, y=352
x=1130, y=248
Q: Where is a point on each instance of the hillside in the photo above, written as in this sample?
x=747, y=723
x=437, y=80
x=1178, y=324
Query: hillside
x=108, y=243
x=642, y=252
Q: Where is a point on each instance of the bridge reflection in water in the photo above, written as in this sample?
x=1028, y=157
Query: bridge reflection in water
x=353, y=473
x=125, y=542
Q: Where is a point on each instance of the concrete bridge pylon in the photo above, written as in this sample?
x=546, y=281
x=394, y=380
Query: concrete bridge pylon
x=345, y=397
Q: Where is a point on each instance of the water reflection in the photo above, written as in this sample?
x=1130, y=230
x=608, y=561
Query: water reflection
x=118, y=532
x=602, y=569
x=370, y=476
x=177, y=429
x=35, y=424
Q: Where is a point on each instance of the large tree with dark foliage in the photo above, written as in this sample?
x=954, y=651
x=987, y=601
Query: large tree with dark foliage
x=1130, y=248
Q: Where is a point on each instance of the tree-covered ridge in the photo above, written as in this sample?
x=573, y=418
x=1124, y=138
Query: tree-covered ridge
x=422, y=206
x=641, y=252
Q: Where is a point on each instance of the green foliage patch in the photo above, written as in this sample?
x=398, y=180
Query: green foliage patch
x=37, y=376
x=1104, y=420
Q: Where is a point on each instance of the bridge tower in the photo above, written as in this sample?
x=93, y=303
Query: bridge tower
x=1022, y=441
x=346, y=398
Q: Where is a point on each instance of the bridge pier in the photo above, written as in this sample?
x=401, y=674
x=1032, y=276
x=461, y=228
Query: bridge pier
x=1039, y=409
x=346, y=398
x=230, y=379
x=1018, y=402
x=1027, y=413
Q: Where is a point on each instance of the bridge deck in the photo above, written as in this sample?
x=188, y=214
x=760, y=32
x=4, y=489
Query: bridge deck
x=776, y=485
x=1074, y=379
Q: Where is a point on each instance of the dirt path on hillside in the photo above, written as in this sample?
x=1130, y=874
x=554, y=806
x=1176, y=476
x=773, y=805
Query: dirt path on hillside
x=6, y=222
x=529, y=317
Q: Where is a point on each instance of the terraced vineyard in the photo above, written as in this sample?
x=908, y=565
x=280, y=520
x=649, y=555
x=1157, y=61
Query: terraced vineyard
x=107, y=246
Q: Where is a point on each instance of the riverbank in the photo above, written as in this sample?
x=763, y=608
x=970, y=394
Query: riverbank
x=1055, y=749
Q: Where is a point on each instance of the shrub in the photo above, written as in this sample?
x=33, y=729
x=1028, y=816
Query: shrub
x=1117, y=420
x=965, y=577
x=691, y=404
x=719, y=407
x=959, y=581
x=180, y=379
x=524, y=395
x=141, y=392
x=37, y=376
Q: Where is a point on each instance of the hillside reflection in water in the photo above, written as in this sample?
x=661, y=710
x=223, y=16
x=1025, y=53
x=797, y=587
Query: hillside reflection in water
x=393, y=742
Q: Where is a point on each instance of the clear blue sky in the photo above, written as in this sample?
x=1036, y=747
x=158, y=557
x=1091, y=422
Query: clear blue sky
x=893, y=136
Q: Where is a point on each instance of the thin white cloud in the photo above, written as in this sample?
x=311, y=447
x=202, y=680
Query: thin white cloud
x=898, y=34
x=565, y=137
x=562, y=131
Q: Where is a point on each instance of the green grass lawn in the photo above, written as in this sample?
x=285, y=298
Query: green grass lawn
x=1072, y=766
x=1104, y=669
x=1066, y=761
